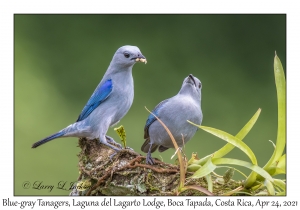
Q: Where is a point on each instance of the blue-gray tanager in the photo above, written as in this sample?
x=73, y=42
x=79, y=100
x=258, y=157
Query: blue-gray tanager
x=109, y=103
x=174, y=113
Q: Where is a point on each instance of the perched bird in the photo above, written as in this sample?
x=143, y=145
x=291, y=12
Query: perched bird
x=174, y=113
x=108, y=104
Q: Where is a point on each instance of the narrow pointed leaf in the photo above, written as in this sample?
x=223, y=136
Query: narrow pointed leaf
x=231, y=139
x=281, y=193
x=281, y=184
x=228, y=147
x=281, y=100
x=278, y=171
x=281, y=162
x=281, y=168
x=241, y=134
x=230, y=161
x=193, y=167
x=207, y=168
x=270, y=187
x=209, y=183
x=237, y=190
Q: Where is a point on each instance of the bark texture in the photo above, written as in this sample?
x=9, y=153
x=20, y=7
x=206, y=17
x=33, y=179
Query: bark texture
x=127, y=174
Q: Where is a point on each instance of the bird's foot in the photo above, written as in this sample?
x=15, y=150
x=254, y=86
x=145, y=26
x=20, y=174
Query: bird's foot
x=108, y=142
x=112, y=141
x=112, y=155
x=149, y=159
x=111, y=146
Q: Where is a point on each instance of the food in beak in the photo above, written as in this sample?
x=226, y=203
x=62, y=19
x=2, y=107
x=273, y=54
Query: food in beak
x=141, y=60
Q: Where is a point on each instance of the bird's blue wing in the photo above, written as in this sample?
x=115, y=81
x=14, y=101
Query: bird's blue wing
x=100, y=94
x=152, y=119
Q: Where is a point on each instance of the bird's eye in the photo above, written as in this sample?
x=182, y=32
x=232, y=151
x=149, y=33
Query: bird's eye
x=126, y=55
x=200, y=85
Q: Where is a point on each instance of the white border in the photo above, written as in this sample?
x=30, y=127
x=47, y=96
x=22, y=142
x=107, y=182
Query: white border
x=8, y=8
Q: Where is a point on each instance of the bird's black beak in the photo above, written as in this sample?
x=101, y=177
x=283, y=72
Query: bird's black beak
x=192, y=78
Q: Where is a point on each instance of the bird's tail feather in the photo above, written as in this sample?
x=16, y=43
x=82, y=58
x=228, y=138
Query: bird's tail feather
x=145, y=147
x=162, y=148
x=49, y=138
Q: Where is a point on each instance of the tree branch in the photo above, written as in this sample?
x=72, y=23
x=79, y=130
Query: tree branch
x=127, y=174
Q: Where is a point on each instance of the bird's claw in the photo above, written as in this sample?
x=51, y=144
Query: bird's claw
x=110, y=140
x=118, y=145
x=111, y=146
x=111, y=156
x=149, y=159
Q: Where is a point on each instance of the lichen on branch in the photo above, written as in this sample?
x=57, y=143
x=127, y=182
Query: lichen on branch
x=127, y=174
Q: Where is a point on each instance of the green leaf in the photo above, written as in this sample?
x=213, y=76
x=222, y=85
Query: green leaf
x=122, y=134
x=281, y=184
x=270, y=187
x=281, y=100
x=281, y=193
x=243, y=132
x=232, y=140
x=193, y=167
x=251, y=179
x=193, y=158
x=228, y=147
x=236, y=191
x=206, y=169
x=230, y=161
x=257, y=186
x=209, y=183
x=280, y=168
x=281, y=162
x=262, y=193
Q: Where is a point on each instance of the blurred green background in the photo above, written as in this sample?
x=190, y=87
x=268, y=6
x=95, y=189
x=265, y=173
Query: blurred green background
x=60, y=59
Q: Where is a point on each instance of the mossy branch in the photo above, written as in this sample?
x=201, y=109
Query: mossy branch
x=127, y=174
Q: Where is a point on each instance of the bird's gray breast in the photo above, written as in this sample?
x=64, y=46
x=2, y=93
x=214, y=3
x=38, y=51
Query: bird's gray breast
x=122, y=98
x=175, y=115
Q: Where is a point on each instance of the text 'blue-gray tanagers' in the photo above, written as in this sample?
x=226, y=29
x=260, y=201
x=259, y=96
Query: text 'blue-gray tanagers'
x=174, y=113
x=109, y=103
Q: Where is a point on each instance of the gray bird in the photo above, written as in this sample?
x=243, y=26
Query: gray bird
x=109, y=103
x=174, y=112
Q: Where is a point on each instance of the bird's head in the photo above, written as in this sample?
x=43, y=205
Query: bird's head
x=192, y=86
x=127, y=56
